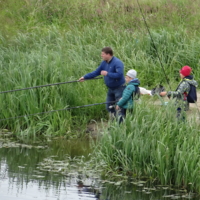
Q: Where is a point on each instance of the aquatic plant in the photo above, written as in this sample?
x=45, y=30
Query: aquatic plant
x=153, y=143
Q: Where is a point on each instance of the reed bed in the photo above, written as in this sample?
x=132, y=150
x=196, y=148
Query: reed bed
x=153, y=143
x=54, y=57
x=45, y=42
x=51, y=41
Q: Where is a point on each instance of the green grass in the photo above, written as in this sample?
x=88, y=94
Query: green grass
x=45, y=42
x=153, y=143
x=51, y=41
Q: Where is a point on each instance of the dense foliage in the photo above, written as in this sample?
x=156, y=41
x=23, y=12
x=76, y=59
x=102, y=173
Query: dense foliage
x=50, y=41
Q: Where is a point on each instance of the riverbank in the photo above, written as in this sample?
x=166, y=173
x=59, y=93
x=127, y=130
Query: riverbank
x=45, y=42
x=153, y=143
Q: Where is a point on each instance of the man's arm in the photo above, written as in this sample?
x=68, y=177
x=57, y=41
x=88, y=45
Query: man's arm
x=93, y=74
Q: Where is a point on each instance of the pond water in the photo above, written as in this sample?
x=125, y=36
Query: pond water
x=36, y=172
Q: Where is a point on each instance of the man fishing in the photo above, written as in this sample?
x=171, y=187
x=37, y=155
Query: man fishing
x=112, y=69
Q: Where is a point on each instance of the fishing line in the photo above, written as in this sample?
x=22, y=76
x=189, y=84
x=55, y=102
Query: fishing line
x=39, y=86
x=153, y=43
x=157, y=50
x=3, y=119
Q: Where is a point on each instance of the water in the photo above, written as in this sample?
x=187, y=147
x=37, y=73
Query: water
x=21, y=179
x=24, y=176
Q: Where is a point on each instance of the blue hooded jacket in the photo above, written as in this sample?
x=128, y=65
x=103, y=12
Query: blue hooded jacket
x=115, y=77
x=127, y=97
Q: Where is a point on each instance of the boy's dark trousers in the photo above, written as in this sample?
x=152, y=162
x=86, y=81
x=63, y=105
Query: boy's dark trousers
x=180, y=114
x=121, y=114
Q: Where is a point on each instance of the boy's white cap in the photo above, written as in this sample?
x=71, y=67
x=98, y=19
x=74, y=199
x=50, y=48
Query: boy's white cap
x=132, y=73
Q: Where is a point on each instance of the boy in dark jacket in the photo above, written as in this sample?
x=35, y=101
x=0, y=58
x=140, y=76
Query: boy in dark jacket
x=182, y=90
x=127, y=101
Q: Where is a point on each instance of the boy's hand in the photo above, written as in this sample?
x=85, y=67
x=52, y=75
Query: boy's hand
x=117, y=107
x=162, y=94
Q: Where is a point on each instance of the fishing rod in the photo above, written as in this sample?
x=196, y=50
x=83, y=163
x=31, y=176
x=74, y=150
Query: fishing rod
x=39, y=86
x=153, y=43
x=110, y=102
x=157, y=50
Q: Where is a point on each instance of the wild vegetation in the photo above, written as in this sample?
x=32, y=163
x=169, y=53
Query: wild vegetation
x=51, y=41
x=45, y=42
x=153, y=145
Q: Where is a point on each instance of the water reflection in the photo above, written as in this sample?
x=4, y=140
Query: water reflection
x=23, y=177
x=20, y=177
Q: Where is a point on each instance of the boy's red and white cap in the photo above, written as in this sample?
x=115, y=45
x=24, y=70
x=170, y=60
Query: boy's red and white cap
x=186, y=71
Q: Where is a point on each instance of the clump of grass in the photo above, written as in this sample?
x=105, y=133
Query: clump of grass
x=154, y=144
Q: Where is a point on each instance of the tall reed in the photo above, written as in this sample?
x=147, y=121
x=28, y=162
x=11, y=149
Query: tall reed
x=55, y=41
x=153, y=143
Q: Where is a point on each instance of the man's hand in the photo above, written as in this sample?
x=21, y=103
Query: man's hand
x=162, y=94
x=104, y=73
x=81, y=79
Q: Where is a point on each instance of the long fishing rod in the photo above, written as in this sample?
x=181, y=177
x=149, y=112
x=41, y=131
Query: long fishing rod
x=157, y=50
x=110, y=102
x=39, y=86
x=153, y=43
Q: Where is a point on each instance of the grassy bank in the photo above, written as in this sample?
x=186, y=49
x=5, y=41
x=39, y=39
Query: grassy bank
x=153, y=144
x=45, y=42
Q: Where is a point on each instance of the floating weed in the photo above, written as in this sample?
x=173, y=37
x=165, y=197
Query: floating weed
x=142, y=182
x=165, y=188
x=175, y=197
x=37, y=172
x=21, y=167
x=118, y=182
x=37, y=176
x=188, y=196
x=76, y=168
x=152, y=189
x=147, y=192
x=12, y=144
x=168, y=196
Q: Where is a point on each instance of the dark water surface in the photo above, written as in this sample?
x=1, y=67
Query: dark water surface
x=24, y=177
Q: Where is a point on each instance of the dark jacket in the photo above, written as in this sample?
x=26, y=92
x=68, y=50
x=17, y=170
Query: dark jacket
x=127, y=100
x=115, y=77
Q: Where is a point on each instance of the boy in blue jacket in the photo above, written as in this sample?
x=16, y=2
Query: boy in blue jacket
x=127, y=101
